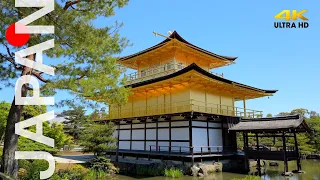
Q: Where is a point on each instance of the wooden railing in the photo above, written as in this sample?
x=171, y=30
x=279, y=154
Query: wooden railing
x=155, y=72
x=184, y=106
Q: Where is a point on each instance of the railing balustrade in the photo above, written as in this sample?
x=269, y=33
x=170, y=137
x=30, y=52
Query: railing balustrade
x=184, y=106
x=158, y=71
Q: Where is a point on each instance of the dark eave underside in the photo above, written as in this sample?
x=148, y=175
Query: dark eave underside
x=201, y=71
x=176, y=36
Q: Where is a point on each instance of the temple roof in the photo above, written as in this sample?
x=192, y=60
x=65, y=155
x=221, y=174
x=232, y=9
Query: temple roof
x=177, y=37
x=273, y=124
x=198, y=69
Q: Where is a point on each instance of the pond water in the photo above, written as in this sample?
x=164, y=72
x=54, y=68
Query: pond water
x=311, y=167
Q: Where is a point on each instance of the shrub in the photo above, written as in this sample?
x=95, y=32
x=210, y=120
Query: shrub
x=172, y=172
x=101, y=163
x=30, y=169
x=249, y=177
x=96, y=174
x=77, y=172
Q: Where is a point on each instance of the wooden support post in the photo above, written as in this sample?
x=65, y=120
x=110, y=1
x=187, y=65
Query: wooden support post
x=118, y=136
x=208, y=135
x=145, y=135
x=157, y=136
x=258, y=160
x=131, y=136
x=284, y=153
x=169, y=135
x=190, y=135
x=297, y=151
x=245, y=148
x=244, y=108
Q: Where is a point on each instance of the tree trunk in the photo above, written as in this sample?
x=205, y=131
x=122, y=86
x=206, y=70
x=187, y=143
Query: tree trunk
x=9, y=163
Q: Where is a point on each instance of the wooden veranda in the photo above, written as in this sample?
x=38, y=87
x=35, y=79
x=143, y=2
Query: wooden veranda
x=284, y=127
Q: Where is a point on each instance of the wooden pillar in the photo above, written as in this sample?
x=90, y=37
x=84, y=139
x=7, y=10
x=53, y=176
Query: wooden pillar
x=220, y=102
x=284, y=152
x=146, y=103
x=233, y=106
x=157, y=135
x=258, y=160
x=145, y=135
x=170, y=134
x=297, y=151
x=208, y=134
x=131, y=136
x=190, y=134
x=222, y=135
x=118, y=137
x=245, y=149
x=244, y=108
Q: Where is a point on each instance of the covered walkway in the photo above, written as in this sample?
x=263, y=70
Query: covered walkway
x=284, y=127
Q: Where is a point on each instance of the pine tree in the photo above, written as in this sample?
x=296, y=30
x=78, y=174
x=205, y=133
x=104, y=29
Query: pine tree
x=89, y=71
x=75, y=121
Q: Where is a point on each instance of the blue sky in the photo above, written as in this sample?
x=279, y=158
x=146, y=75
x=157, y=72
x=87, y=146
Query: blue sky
x=269, y=58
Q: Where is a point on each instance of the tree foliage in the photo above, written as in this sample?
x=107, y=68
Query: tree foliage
x=75, y=120
x=98, y=138
x=89, y=69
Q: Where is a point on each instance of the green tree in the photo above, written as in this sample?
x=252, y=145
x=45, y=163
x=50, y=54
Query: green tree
x=4, y=111
x=269, y=115
x=98, y=138
x=75, y=121
x=54, y=131
x=90, y=70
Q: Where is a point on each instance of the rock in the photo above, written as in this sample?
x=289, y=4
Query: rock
x=219, y=166
x=287, y=174
x=296, y=171
x=200, y=175
x=253, y=163
x=273, y=163
x=203, y=169
x=195, y=170
x=212, y=168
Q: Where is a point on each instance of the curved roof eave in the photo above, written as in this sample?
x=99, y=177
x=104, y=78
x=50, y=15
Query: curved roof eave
x=195, y=67
x=176, y=36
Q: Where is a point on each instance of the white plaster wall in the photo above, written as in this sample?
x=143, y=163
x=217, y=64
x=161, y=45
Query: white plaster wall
x=163, y=124
x=199, y=138
x=163, y=134
x=197, y=123
x=179, y=123
x=137, y=145
x=151, y=134
x=215, y=138
x=215, y=125
x=125, y=126
x=179, y=133
x=124, y=145
x=138, y=134
x=137, y=126
x=124, y=134
x=151, y=125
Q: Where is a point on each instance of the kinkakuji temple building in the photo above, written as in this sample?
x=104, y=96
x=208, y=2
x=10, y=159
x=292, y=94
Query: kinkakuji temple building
x=179, y=109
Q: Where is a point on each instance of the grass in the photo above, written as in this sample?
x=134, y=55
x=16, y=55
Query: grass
x=174, y=173
x=96, y=174
x=149, y=171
